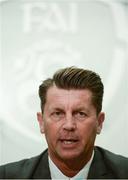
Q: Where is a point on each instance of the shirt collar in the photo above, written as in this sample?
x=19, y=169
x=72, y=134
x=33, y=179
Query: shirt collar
x=57, y=174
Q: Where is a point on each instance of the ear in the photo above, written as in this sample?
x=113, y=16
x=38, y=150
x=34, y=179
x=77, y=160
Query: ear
x=40, y=121
x=100, y=121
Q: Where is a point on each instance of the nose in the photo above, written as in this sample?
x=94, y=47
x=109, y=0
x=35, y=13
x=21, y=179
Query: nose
x=69, y=123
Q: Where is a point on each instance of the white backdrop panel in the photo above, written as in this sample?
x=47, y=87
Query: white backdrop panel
x=37, y=38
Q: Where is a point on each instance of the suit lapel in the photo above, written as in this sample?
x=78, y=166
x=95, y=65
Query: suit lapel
x=42, y=170
x=98, y=169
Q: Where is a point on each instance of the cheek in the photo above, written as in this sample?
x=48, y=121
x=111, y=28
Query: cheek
x=50, y=130
x=88, y=129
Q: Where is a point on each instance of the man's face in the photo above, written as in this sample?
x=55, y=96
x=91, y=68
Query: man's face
x=70, y=123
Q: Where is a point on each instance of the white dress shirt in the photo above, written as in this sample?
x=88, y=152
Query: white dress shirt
x=57, y=174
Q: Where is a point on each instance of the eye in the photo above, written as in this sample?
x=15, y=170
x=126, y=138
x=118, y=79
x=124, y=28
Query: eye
x=80, y=115
x=57, y=114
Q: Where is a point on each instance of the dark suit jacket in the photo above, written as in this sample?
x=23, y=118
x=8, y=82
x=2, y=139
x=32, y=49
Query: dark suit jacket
x=105, y=165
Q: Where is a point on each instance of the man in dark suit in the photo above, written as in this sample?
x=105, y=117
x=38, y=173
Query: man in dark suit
x=70, y=118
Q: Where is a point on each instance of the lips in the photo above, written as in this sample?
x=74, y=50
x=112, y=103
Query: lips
x=68, y=141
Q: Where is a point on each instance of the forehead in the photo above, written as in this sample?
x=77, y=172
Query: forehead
x=55, y=94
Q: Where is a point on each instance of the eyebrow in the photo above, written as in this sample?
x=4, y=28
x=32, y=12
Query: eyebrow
x=81, y=109
x=74, y=109
x=56, y=108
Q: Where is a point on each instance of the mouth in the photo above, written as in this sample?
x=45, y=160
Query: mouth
x=68, y=141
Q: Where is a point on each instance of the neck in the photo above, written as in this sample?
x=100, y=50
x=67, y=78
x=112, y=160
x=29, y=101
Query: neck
x=71, y=167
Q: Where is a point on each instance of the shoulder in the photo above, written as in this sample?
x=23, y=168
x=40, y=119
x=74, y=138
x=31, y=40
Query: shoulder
x=117, y=163
x=115, y=158
x=20, y=169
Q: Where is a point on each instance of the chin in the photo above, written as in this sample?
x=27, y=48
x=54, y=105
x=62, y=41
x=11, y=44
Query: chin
x=69, y=155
